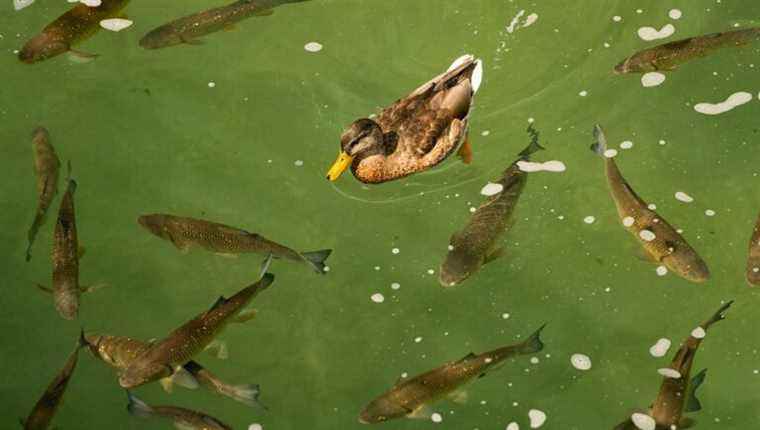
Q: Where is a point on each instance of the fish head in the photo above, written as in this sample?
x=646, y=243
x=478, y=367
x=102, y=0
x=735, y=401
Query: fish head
x=41, y=47
x=160, y=38
x=380, y=410
x=363, y=137
x=156, y=224
x=67, y=303
x=140, y=373
x=688, y=264
x=459, y=264
x=641, y=62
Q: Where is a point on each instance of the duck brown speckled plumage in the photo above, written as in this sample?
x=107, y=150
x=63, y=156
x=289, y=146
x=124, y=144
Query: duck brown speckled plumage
x=415, y=133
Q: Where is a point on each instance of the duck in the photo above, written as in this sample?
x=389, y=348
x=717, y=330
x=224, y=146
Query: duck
x=416, y=132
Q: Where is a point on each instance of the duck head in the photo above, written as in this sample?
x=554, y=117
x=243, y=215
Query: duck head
x=364, y=137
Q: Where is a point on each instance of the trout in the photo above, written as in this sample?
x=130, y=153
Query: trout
x=119, y=352
x=190, y=28
x=478, y=243
x=660, y=240
x=184, y=419
x=753, y=260
x=677, y=392
x=186, y=232
x=162, y=358
x=46, y=169
x=47, y=406
x=73, y=27
x=410, y=397
x=669, y=56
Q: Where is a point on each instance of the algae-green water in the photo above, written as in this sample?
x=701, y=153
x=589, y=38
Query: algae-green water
x=241, y=130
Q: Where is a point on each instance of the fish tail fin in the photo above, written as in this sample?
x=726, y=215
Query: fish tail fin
x=82, y=341
x=137, y=407
x=720, y=315
x=533, y=344
x=39, y=218
x=600, y=141
x=692, y=402
x=533, y=146
x=317, y=259
x=247, y=394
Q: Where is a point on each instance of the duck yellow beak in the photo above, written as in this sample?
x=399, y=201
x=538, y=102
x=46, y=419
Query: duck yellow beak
x=339, y=166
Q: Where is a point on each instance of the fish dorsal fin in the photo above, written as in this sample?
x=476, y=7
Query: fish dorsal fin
x=219, y=302
x=692, y=403
x=213, y=421
x=469, y=356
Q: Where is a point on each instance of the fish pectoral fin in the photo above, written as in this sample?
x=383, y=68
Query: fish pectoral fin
x=245, y=316
x=167, y=384
x=226, y=255
x=91, y=288
x=80, y=252
x=264, y=12
x=422, y=413
x=230, y=27
x=219, y=348
x=45, y=289
x=692, y=402
x=494, y=254
x=686, y=423
x=219, y=302
x=81, y=57
x=465, y=151
x=645, y=256
x=183, y=426
x=187, y=41
x=183, y=378
x=467, y=357
x=459, y=397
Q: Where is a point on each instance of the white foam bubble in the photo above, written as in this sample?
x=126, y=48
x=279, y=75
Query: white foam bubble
x=589, y=219
x=20, y=4
x=298, y=163
x=734, y=100
x=377, y=298
x=660, y=348
x=617, y=18
x=652, y=79
x=512, y=426
x=436, y=417
x=548, y=166
x=313, y=47
x=537, y=418
x=710, y=212
x=699, y=333
x=534, y=360
x=643, y=421
x=628, y=221
x=212, y=84
x=255, y=426
x=675, y=14
x=650, y=33
x=661, y=270
x=530, y=20
x=627, y=144
x=505, y=316
x=583, y=93
x=683, y=197
x=669, y=373
x=418, y=339
x=395, y=286
x=581, y=361
x=610, y=153
x=491, y=189
x=116, y=24
x=652, y=206
x=91, y=3
x=395, y=250
x=647, y=235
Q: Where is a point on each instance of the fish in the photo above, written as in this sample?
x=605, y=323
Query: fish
x=677, y=395
x=73, y=27
x=221, y=239
x=121, y=351
x=410, y=397
x=478, y=242
x=46, y=407
x=669, y=56
x=66, y=253
x=660, y=241
x=753, y=260
x=46, y=169
x=184, y=419
x=163, y=358
x=190, y=28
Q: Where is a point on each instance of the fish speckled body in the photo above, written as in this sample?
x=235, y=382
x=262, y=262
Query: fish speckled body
x=185, y=419
x=46, y=170
x=670, y=55
x=677, y=395
x=189, y=28
x=753, y=260
x=659, y=239
x=160, y=360
x=411, y=395
x=46, y=407
x=186, y=232
x=121, y=351
x=65, y=256
x=478, y=242
x=74, y=26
